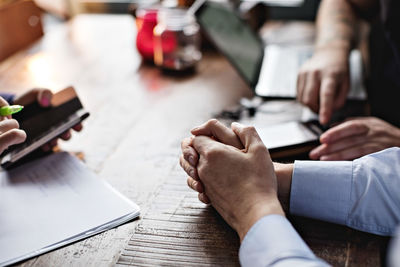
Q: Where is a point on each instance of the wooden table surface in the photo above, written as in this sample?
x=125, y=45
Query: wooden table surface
x=136, y=147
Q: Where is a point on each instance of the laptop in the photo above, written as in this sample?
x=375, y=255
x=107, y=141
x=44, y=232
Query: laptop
x=269, y=70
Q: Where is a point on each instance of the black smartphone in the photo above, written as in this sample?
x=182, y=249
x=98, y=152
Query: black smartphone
x=44, y=124
x=289, y=139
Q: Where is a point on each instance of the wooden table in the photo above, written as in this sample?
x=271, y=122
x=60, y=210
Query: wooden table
x=136, y=148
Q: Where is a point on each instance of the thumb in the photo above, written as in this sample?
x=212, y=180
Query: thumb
x=248, y=136
x=44, y=97
x=41, y=96
x=3, y=102
x=220, y=132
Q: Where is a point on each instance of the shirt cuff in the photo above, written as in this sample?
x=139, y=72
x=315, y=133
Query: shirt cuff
x=270, y=240
x=322, y=190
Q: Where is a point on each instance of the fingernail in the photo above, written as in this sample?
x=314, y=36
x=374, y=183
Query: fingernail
x=191, y=173
x=66, y=136
x=236, y=124
x=45, y=102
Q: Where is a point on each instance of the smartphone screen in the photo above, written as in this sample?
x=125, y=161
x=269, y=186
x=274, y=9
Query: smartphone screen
x=286, y=134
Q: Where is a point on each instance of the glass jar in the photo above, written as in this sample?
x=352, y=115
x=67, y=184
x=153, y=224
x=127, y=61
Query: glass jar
x=146, y=20
x=176, y=40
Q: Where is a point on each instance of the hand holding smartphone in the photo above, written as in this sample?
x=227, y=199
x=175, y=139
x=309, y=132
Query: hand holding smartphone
x=44, y=124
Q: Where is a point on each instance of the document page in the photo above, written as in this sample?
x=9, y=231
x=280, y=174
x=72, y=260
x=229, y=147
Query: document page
x=53, y=201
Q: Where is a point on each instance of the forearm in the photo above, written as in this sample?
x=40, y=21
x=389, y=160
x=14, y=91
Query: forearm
x=336, y=25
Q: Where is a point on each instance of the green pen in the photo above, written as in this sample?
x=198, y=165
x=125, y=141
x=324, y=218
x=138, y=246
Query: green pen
x=9, y=110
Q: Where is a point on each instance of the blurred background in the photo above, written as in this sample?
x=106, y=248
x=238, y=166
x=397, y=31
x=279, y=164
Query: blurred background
x=21, y=21
x=279, y=9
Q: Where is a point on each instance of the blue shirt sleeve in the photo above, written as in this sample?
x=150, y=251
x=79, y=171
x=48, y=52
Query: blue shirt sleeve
x=8, y=97
x=363, y=194
x=272, y=241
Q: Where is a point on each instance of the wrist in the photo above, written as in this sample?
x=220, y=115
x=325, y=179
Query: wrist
x=284, y=174
x=340, y=47
x=263, y=207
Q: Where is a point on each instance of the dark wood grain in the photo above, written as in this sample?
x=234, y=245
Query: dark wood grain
x=135, y=147
x=178, y=230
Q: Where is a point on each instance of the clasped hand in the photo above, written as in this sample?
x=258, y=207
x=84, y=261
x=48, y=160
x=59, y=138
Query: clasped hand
x=232, y=170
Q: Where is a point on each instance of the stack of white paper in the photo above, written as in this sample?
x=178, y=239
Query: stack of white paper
x=54, y=201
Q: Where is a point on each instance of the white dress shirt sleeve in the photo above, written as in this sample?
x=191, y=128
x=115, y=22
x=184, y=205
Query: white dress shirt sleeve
x=272, y=241
x=363, y=194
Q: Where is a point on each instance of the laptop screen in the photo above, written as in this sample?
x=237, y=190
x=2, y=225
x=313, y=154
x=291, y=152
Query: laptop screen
x=234, y=38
